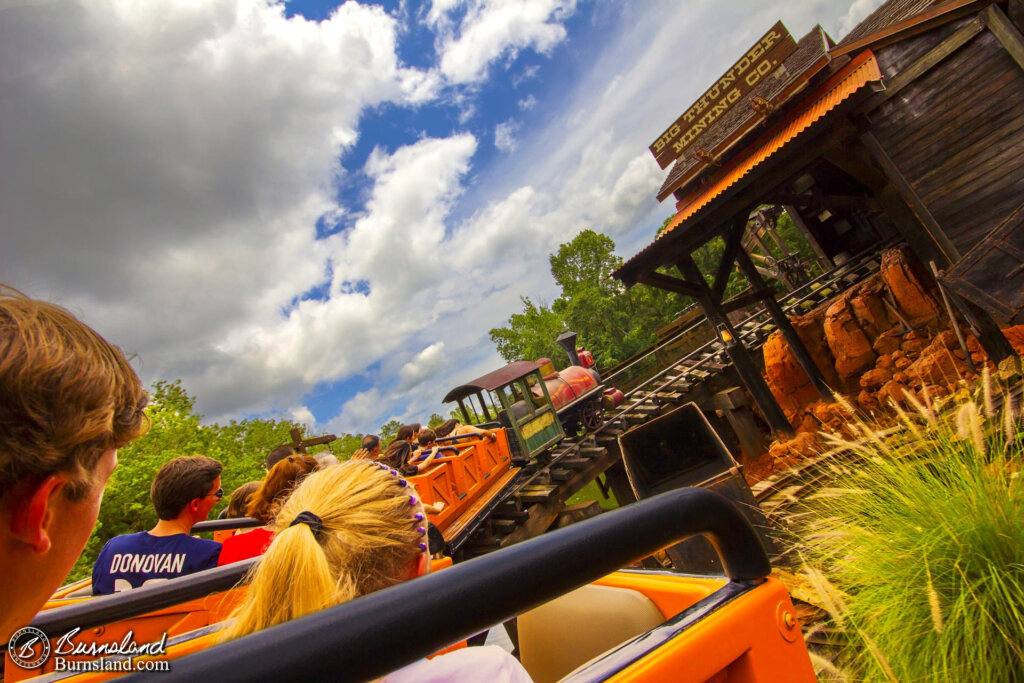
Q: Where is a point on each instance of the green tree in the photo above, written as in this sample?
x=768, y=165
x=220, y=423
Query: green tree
x=435, y=420
x=388, y=431
x=531, y=335
x=612, y=322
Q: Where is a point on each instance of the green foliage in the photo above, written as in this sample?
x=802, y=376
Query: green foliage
x=345, y=445
x=924, y=542
x=176, y=429
x=612, y=322
x=531, y=335
x=388, y=431
x=435, y=420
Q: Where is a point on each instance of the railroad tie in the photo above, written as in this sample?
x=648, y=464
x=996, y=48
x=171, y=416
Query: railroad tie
x=537, y=494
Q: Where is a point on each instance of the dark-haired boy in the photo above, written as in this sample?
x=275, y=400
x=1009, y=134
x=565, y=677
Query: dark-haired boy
x=183, y=493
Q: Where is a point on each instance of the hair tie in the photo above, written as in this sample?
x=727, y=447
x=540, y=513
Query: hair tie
x=315, y=524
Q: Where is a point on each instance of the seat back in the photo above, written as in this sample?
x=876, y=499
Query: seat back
x=560, y=635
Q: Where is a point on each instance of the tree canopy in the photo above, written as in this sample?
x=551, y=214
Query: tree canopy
x=613, y=322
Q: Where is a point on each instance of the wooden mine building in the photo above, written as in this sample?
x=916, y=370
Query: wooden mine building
x=909, y=129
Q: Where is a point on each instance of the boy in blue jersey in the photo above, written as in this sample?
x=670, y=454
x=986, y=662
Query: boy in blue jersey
x=183, y=493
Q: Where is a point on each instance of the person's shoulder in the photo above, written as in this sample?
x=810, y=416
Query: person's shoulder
x=487, y=663
x=124, y=540
x=204, y=544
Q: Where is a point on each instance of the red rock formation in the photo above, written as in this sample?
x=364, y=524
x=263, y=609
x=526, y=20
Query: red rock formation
x=787, y=380
x=849, y=342
x=874, y=379
x=911, y=286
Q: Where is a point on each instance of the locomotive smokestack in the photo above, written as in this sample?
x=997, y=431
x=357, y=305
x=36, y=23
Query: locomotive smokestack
x=567, y=340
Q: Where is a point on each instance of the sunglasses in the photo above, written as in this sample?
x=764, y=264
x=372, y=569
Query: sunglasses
x=218, y=494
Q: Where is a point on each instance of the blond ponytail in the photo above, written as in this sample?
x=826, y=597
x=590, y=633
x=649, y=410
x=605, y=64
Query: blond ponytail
x=370, y=535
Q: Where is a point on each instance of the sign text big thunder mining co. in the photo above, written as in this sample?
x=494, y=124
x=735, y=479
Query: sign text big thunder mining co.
x=759, y=61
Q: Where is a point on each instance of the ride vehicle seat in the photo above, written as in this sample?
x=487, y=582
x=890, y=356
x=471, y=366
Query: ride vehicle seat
x=560, y=635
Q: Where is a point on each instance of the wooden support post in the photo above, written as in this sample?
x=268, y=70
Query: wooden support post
x=738, y=353
x=1005, y=31
x=929, y=241
x=733, y=238
x=801, y=225
x=796, y=345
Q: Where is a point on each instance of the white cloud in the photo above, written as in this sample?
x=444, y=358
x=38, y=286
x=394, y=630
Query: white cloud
x=164, y=167
x=425, y=365
x=303, y=415
x=528, y=103
x=358, y=414
x=857, y=12
x=528, y=73
x=505, y=135
x=492, y=28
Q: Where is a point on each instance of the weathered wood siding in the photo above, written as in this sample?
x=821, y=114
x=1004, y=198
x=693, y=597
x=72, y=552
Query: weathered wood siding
x=957, y=133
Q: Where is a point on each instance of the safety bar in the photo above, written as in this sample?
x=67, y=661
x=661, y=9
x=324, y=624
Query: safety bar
x=105, y=609
x=224, y=524
x=378, y=633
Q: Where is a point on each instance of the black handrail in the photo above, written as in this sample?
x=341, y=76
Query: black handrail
x=105, y=609
x=381, y=632
x=224, y=524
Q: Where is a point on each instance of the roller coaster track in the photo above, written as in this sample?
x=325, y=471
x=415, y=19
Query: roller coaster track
x=533, y=505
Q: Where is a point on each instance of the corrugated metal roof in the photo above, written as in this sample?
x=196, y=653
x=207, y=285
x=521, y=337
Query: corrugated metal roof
x=857, y=74
x=493, y=380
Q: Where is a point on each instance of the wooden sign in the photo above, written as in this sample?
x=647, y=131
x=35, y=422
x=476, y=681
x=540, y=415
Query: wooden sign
x=762, y=59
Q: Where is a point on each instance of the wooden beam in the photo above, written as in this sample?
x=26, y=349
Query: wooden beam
x=1007, y=34
x=910, y=196
x=915, y=25
x=669, y=283
x=741, y=358
x=926, y=62
x=796, y=345
x=801, y=225
x=725, y=266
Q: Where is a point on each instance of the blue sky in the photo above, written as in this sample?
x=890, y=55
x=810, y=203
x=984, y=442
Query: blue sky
x=319, y=211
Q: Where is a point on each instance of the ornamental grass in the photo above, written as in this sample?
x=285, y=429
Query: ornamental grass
x=918, y=546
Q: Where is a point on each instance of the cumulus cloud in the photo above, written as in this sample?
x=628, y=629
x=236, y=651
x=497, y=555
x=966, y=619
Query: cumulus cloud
x=358, y=414
x=493, y=28
x=165, y=165
x=303, y=415
x=505, y=135
x=421, y=368
x=528, y=103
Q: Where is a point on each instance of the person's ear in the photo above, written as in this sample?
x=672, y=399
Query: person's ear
x=33, y=513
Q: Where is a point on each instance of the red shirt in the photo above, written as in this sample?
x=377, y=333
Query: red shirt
x=243, y=546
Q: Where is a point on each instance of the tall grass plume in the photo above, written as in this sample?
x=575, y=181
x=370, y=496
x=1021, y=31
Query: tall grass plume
x=923, y=539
